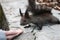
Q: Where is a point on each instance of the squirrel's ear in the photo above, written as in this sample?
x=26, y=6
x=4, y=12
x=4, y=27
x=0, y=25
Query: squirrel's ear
x=21, y=14
x=27, y=14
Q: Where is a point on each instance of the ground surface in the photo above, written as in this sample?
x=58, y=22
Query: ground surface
x=11, y=9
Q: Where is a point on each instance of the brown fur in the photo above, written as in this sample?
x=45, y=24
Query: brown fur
x=40, y=20
x=41, y=14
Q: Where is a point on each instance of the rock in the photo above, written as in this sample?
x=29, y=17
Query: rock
x=26, y=36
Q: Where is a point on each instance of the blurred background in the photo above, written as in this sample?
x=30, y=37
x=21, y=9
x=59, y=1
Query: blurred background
x=11, y=12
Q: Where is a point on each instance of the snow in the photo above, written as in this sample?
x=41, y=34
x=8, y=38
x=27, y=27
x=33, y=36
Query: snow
x=11, y=10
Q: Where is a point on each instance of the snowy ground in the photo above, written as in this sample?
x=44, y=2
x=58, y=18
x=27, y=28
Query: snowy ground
x=11, y=9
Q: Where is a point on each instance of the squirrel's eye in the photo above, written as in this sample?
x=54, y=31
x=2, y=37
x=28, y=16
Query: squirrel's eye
x=24, y=20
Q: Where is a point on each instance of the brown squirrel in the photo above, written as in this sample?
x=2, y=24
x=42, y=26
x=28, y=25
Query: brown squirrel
x=39, y=21
x=41, y=14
